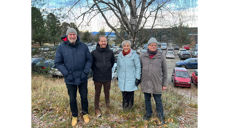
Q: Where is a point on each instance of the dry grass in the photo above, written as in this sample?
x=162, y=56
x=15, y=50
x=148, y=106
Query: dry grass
x=50, y=104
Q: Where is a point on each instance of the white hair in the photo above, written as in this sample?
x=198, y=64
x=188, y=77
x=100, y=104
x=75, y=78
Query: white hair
x=125, y=42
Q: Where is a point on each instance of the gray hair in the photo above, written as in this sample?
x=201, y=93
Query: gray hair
x=126, y=41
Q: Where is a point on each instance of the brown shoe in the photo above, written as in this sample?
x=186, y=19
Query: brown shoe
x=74, y=121
x=98, y=113
x=86, y=118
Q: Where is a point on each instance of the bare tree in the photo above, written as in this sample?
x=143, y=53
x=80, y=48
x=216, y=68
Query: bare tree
x=132, y=15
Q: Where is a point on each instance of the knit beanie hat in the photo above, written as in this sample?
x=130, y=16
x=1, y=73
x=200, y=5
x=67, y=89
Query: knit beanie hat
x=71, y=30
x=152, y=40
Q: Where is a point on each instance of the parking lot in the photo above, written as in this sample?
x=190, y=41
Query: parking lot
x=190, y=93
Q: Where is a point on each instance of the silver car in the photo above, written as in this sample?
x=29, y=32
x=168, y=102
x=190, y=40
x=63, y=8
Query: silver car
x=170, y=55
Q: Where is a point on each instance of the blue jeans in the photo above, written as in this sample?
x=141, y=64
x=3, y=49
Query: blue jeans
x=72, y=92
x=148, y=105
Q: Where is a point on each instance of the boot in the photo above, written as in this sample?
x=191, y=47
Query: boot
x=74, y=121
x=146, y=117
x=86, y=118
x=98, y=113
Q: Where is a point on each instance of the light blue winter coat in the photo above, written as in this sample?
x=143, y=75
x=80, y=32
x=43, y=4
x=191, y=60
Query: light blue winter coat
x=128, y=69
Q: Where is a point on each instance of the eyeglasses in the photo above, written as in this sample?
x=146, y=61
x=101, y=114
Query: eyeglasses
x=153, y=45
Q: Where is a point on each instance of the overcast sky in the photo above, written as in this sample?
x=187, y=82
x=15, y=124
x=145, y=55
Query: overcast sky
x=184, y=10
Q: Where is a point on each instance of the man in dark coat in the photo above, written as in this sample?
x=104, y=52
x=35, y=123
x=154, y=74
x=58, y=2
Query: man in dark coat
x=74, y=61
x=103, y=61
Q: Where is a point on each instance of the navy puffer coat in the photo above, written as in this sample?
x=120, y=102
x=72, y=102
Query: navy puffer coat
x=73, y=61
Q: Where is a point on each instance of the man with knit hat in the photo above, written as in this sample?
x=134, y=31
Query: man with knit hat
x=74, y=61
x=154, y=79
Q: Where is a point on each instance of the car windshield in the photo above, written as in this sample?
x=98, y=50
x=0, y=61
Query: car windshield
x=191, y=60
x=182, y=74
x=169, y=52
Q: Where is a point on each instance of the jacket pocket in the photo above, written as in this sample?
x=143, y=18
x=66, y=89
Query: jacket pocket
x=69, y=78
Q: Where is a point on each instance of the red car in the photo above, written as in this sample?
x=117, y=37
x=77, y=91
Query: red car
x=194, y=77
x=186, y=47
x=180, y=77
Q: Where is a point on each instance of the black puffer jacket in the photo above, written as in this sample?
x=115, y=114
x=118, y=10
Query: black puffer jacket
x=103, y=61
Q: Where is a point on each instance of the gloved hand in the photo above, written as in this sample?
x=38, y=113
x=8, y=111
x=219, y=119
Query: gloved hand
x=137, y=82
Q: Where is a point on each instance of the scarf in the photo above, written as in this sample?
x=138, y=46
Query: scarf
x=125, y=53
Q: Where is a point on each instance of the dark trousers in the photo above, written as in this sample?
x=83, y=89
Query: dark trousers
x=72, y=92
x=148, y=105
x=127, y=100
x=98, y=87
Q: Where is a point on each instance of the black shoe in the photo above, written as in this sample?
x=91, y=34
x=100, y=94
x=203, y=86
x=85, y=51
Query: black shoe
x=145, y=117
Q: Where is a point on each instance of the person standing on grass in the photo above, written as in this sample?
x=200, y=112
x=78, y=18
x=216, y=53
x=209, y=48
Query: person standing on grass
x=129, y=71
x=154, y=79
x=74, y=61
x=103, y=61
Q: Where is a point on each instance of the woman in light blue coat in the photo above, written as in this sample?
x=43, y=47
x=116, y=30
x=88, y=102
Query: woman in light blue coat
x=129, y=71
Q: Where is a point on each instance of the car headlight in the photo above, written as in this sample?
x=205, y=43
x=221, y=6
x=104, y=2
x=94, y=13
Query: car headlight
x=176, y=81
x=189, y=82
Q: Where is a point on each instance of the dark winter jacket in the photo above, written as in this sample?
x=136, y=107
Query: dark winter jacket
x=103, y=61
x=73, y=61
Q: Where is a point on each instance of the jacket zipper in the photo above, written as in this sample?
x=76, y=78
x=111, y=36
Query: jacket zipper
x=104, y=63
x=125, y=76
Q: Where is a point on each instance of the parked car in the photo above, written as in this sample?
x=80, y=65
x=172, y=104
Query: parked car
x=180, y=77
x=170, y=49
x=176, y=47
x=35, y=61
x=184, y=55
x=55, y=72
x=178, y=53
x=186, y=47
x=190, y=63
x=163, y=46
x=194, y=77
x=114, y=71
x=170, y=55
x=143, y=51
x=159, y=49
x=194, y=53
x=44, y=66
